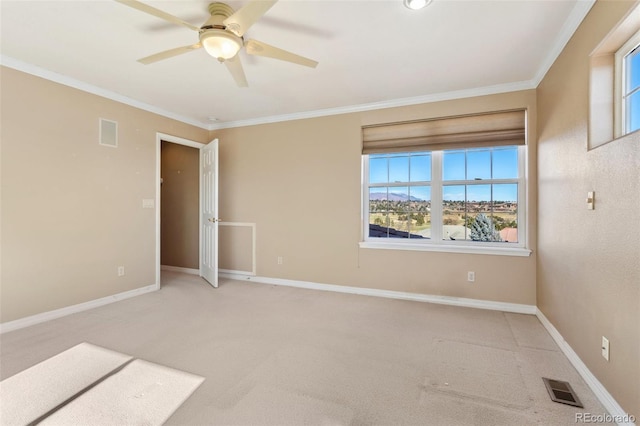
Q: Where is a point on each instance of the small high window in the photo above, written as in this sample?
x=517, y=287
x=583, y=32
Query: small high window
x=614, y=82
x=628, y=85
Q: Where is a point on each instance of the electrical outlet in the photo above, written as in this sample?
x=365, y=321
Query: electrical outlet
x=120, y=271
x=279, y=260
x=471, y=276
x=605, y=348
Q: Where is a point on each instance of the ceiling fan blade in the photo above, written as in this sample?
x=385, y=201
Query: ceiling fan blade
x=157, y=13
x=259, y=48
x=169, y=54
x=234, y=65
x=246, y=16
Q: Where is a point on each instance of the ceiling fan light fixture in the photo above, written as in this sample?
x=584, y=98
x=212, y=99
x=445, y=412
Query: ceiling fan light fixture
x=416, y=4
x=220, y=44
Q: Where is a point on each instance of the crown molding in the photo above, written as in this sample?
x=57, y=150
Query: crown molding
x=579, y=12
x=393, y=103
x=18, y=65
x=577, y=15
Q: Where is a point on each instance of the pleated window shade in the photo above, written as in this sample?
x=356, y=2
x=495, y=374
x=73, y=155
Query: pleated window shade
x=468, y=131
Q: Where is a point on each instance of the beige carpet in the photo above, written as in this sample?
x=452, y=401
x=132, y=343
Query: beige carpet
x=90, y=385
x=36, y=391
x=285, y=356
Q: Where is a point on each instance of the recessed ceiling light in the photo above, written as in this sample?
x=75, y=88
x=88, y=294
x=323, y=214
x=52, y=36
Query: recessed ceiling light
x=416, y=4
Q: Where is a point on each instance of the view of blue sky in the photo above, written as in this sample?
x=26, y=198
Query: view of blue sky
x=633, y=83
x=460, y=165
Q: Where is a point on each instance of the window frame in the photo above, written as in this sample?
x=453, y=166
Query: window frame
x=436, y=242
x=620, y=113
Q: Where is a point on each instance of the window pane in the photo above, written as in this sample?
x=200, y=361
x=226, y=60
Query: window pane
x=378, y=225
x=378, y=200
x=505, y=163
x=398, y=204
x=478, y=164
x=420, y=168
x=420, y=198
x=400, y=212
x=505, y=211
x=453, y=212
x=478, y=197
x=398, y=169
x=481, y=228
x=378, y=172
x=505, y=192
x=480, y=212
x=453, y=165
x=632, y=71
x=453, y=194
x=378, y=212
x=479, y=205
x=420, y=212
x=633, y=112
x=399, y=199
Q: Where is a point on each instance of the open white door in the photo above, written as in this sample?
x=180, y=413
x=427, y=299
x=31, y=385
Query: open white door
x=209, y=212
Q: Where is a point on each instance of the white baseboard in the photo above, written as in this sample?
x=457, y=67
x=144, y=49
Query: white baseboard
x=610, y=404
x=235, y=272
x=58, y=313
x=443, y=300
x=180, y=269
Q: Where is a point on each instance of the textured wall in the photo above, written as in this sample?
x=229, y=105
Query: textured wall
x=299, y=181
x=589, y=260
x=72, y=209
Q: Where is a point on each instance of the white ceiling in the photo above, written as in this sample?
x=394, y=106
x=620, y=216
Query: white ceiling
x=370, y=53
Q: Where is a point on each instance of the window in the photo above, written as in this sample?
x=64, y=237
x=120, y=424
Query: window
x=480, y=194
x=467, y=195
x=475, y=199
x=399, y=195
x=627, y=68
x=614, y=82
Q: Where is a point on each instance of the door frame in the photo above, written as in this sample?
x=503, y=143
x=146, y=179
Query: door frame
x=180, y=141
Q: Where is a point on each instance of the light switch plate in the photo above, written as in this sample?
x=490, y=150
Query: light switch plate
x=148, y=203
x=605, y=348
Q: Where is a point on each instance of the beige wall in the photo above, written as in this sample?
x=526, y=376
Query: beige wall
x=180, y=193
x=299, y=181
x=589, y=261
x=236, y=248
x=72, y=209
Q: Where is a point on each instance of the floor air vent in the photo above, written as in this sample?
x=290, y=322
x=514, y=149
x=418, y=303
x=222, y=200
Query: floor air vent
x=561, y=392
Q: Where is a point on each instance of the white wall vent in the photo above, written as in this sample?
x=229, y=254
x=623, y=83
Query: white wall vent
x=108, y=133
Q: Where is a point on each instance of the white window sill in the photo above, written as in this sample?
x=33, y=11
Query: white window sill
x=447, y=248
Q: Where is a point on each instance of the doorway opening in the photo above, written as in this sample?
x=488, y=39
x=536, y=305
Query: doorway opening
x=176, y=211
x=179, y=207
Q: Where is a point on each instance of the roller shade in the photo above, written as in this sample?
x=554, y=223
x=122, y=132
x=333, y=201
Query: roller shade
x=469, y=131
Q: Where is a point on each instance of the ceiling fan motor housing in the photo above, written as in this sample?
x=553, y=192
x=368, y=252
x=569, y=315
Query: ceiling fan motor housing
x=219, y=40
x=219, y=12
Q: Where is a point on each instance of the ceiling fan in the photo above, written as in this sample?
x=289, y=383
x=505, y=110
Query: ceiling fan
x=222, y=36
